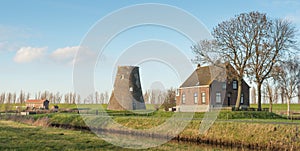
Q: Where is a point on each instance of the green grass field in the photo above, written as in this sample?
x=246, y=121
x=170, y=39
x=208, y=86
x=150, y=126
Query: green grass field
x=280, y=107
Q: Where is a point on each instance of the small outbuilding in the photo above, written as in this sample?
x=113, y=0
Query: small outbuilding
x=38, y=103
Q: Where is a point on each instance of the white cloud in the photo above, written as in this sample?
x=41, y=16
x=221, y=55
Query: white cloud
x=67, y=55
x=64, y=55
x=28, y=54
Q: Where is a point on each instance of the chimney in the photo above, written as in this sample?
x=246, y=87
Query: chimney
x=198, y=66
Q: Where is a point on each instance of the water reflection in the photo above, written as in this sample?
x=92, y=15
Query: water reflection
x=142, y=142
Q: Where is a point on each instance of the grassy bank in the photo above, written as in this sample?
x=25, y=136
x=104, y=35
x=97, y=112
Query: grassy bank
x=243, y=128
x=18, y=136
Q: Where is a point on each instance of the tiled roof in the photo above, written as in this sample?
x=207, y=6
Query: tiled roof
x=35, y=101
x=205, y=76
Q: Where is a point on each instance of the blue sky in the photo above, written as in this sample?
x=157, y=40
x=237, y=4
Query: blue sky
x=38, y=39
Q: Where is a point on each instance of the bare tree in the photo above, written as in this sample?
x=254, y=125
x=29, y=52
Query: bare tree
x=234, y=43
x=78, y=98
x=274, y=39
x=288, y=78
x=51, y=97
x=70, y=97
x=8, y=102
x=252, y=43
x=146, y=97
x=44, y=95
x=2, y=98
x=22, y=97
x=102, y=98
x=58, y=97
x=14, y=98
x=74, y=98
x=169, y=99
x=39, y=95
x=89, y=99
x=276, y=94
x=282, y=94
x=28, y=96
x=271, y=94
x=97, y=98
x=253, y=95
x=298, y=94
x=106, y=97
x=67, y=98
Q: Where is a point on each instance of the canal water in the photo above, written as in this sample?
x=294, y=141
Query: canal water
x=175, y=145
x=150, y=143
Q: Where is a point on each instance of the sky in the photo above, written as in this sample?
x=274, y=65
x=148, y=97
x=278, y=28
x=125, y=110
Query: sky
x=39, y=39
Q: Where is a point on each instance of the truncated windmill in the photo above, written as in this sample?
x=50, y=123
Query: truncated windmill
x=127, y=93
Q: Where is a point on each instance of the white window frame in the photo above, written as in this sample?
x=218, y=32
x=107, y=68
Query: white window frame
x=183, y=98
x=218, y=97
x=203, y=97
x=242, y=98
x=234, y=84
x=177, y=92
x=224, y=85
x=196, y=98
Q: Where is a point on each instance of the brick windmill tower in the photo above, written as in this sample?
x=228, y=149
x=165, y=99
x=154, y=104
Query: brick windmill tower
x=127, y=93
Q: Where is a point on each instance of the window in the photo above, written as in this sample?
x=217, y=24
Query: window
x=177, y=92
x=130, y=89
x=234, y=85
x=183, y=98
x=242, y=98
x=203, y=98
x=196, y=98
x=122, y=76
x=224, y=85
x=218, y=97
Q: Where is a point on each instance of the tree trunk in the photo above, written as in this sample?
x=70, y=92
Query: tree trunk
x=239, y=92
x=253, y=95
x=271, y=105
x=288, y=106
x=271, y=96
x=282, y=95
x=259, y=97
x=299, y=95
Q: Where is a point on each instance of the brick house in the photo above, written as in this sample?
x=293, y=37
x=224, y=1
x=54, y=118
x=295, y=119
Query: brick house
x=37, y=104
x=208, y=87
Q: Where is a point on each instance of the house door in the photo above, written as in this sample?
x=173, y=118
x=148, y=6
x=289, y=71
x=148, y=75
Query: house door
x=133, y=105
x=228, y=100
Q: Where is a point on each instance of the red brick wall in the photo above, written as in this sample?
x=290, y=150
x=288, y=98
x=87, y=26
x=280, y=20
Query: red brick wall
x=216, y=87
x=189, y=95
